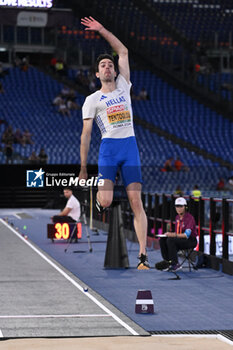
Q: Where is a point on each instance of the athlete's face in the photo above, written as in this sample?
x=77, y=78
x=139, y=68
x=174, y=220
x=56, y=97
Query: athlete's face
x=106, y=71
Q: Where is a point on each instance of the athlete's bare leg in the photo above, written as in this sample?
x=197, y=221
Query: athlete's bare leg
x=140, y=219
x=105, y=193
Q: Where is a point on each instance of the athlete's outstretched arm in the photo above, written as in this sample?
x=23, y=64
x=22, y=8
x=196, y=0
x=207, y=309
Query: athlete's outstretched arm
x=123, y=63
x=84, y=146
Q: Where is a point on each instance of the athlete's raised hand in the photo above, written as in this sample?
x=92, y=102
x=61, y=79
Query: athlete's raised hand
x=91, y=24
x=123, y=63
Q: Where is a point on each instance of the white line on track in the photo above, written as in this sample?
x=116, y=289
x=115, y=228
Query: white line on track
x=1, y=335
x=213, y=336
x=52, y=316
x=76, y=284
x=186, y=335
x=17, y=216
x=224, y=339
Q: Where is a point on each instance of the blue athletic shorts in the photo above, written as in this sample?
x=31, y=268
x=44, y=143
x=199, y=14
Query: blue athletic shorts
x=120, y=154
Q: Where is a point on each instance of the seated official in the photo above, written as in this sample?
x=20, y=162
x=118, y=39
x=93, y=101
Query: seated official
x=184, y=237
x=71, y=212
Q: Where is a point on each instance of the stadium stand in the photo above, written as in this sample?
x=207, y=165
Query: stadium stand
x=154, y=150
x=156, y=40
x=137, y=25
x=221, y=83
x=181, y=115
x=27, y=104
x=198, y=20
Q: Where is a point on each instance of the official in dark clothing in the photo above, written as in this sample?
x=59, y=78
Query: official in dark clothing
x=184, y=237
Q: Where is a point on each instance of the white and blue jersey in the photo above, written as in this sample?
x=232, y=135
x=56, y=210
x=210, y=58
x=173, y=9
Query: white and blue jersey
x=113, y=114
x=112, y=111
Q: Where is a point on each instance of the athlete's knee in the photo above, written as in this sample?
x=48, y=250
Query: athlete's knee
x=105, y=202
x=105, y=199
x=136, y=204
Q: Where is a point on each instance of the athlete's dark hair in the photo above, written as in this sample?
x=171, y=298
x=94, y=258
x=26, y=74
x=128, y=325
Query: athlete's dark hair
x=102, y=57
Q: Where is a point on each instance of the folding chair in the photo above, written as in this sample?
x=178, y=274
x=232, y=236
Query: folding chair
x=188, y=255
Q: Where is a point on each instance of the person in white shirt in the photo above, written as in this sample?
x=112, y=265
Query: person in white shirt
x=111, y=108
x=57, y=100
x=71, y=212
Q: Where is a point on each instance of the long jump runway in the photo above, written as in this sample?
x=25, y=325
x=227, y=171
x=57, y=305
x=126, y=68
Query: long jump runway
x=40, y=298
x=42, y=295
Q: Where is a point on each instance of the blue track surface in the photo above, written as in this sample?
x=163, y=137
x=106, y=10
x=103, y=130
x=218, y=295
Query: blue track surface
x=201, y=300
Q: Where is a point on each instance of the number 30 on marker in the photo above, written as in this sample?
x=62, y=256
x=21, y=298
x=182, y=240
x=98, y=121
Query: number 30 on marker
x=62, y=231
